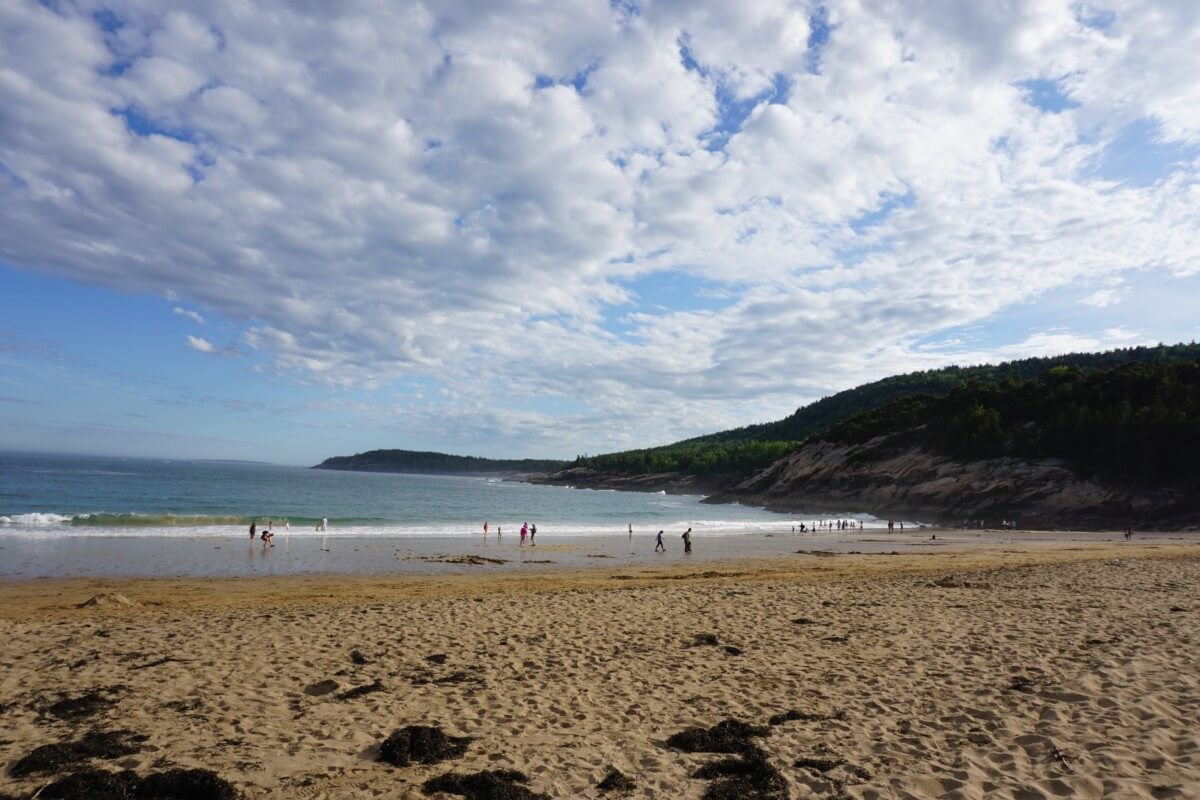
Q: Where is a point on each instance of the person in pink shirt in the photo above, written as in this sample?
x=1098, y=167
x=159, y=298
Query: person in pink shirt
x=524, y=533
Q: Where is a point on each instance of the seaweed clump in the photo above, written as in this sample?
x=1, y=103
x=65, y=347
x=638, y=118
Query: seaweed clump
x=727, y=736
x=492, y=784
x=421, y=744
x=616, y=781
x=359, y=691
x=75, y=708
x=186, y=784
x=174, y=784
x=51, y=758
x=94, y=784
x=747, y=777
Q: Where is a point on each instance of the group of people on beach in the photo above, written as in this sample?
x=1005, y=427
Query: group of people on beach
x=267, y=532
x=527, y=532
x=829, y=525
x=661, y=547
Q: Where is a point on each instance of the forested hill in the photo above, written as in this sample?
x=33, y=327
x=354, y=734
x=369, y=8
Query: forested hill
x=1133, y=425
x=434, y=463
x=738, y=451
x=1068, y=448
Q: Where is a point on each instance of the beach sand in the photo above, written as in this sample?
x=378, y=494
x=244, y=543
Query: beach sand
x=1056, y=670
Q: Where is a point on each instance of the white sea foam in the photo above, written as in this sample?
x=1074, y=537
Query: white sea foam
x=35, y=519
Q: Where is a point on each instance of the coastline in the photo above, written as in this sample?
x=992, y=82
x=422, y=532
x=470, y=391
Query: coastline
x=960, y=672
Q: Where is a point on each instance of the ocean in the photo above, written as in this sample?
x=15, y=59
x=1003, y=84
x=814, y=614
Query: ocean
x=84, y=515
x=50, y=495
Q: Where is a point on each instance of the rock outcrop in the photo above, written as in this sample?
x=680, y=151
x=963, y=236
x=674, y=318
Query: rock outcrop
x=893, y=481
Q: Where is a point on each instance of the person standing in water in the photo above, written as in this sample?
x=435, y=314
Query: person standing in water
x=485, y=527
x=687, y=541
x=532, y=533
x=324, y=524
x=658, y=543
x=631, y=531
x=253, y=530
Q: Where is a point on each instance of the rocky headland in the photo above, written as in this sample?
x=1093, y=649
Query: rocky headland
x=893, y=481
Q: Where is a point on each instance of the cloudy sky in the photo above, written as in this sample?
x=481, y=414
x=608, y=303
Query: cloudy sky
x=271, y=230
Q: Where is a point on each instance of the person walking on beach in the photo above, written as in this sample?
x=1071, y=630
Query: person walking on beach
x=485, y=527
x=532, y=533
x=524, y=533
x=658, y=543
x=253, y=531
x=687, y=541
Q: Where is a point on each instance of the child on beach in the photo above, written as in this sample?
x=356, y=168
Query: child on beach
x=658, y=544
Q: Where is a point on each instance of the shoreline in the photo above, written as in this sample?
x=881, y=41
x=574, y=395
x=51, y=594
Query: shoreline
x=199, y=556
x=22, y=598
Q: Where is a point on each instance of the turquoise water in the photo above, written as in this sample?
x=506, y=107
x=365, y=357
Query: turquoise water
x=43, y=495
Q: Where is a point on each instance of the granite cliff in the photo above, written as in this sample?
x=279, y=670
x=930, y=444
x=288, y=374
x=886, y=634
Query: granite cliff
x=889, y=480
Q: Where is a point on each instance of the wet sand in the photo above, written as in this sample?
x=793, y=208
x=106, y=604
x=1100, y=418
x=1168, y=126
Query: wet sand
x=25, y=557
x=980, y=669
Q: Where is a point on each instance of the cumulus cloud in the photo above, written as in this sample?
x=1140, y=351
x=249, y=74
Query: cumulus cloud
x=200, y=345
x=382, y=191
x=194, y=316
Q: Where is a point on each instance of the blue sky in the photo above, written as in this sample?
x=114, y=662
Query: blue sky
x=571, y=227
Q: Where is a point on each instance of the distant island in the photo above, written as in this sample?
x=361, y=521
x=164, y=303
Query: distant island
x=429, y=463
x=1086, y=439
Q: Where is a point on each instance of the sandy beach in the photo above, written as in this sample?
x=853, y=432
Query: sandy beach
x=1054, y=669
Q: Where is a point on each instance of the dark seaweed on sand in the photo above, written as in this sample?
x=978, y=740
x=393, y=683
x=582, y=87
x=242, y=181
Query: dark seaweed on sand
x=748, y=777
x=727, y=736
x=494, y=784
x=359, y=691
x=94, y=784
x=616, y=781
x=51, y=758
x=186, y=784
x=175, y=784
x=74, y=708
x=421, y=744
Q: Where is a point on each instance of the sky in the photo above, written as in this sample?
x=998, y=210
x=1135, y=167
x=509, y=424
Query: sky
x=284, y=231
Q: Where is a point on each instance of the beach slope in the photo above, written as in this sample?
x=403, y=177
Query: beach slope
x=1062, y=671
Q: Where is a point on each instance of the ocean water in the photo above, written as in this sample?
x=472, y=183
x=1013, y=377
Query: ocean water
x=78, y=496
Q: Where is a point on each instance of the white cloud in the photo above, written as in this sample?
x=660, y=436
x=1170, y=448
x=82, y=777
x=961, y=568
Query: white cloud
x=200, y=345
x=195, y=316
x=402, y=190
